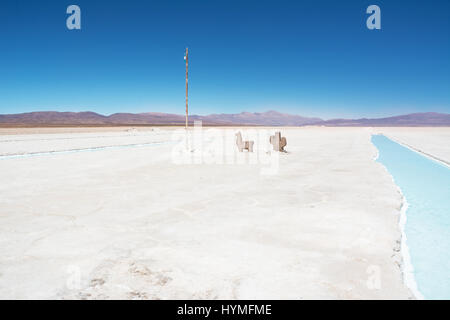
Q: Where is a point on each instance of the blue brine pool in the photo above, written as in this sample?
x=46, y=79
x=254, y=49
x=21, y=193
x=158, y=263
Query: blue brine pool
x=425, y=185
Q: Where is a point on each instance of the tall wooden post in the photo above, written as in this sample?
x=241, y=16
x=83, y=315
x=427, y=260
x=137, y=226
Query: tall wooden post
x=187, y=58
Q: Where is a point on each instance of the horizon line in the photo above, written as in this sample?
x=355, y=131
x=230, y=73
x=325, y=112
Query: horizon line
x=242, y=112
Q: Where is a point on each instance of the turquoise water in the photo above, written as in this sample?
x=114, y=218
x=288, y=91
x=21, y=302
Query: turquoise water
x=426, y=187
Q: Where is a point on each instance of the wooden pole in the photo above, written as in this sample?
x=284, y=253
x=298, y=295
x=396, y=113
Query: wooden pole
x=187, y=88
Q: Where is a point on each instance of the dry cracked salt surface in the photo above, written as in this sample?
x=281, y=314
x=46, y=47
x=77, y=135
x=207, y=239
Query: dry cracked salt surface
x=128, y=223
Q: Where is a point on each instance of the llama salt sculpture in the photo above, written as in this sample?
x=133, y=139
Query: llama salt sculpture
x=243, y=145
x=278, y=142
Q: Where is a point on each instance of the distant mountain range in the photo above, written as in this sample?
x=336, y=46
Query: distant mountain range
x=269, y=118
x=431, y=119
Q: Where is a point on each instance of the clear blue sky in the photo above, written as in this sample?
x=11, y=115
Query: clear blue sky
x=314, y=58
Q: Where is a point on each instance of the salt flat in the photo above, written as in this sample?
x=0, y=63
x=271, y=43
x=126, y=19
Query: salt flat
x=128, y=223
x=434, y=142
